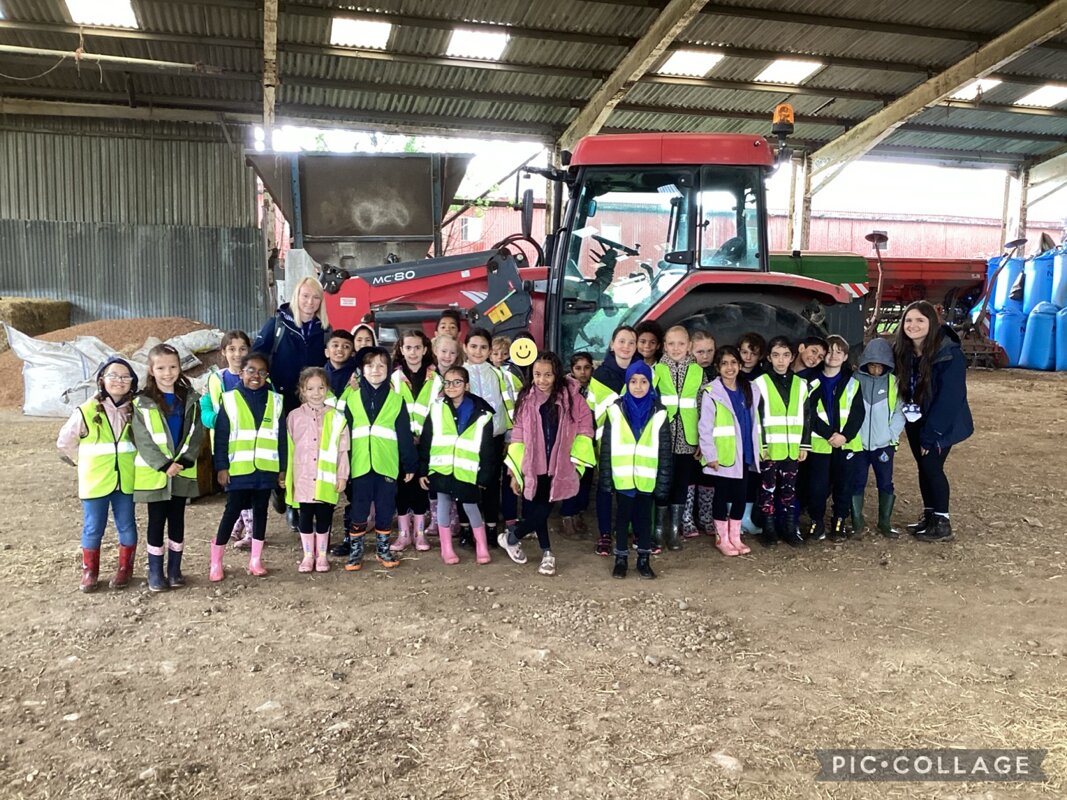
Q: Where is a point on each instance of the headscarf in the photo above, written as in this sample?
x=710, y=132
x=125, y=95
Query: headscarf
x=638, y=411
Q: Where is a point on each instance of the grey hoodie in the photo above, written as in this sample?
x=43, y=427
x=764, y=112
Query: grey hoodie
x=882, y=425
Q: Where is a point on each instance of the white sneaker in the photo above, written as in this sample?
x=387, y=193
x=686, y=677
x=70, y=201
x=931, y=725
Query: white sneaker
x=514, y=551
x=548, y=563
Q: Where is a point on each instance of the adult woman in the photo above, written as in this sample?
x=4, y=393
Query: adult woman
x=294, y=338
x=932, y=374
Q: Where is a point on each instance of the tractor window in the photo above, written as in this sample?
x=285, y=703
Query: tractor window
x=622, y=226
x=729, y=223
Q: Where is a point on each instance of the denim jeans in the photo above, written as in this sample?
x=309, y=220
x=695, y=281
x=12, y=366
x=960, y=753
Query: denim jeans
x=94, y=513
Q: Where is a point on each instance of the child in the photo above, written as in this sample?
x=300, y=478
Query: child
x=383, y=452
x=571, y=509
x=363, y=336
x=448, y=354
x=730, y=439
x=456, y=455
x=650, y=341
x=97, y=440
x=249, y=452
x=167, y=432
x=606, y=386
x=701, y=496
x=753, y=348
x=677, y=380
x=836, y=417
x=500, y=351
x=234, y=346
x=551, y=445
x=883, y=422
x=339, y=362
x=702, y=348
x=786, y=441
x=316, y=470
x=810, y=354
x=417, y=381
x=448, y=324
x=635, y=463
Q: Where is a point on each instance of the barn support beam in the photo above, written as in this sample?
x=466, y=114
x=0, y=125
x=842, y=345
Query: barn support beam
x=674, y=18
x=1046, y=23
x=1013, y=217
x=799, y=231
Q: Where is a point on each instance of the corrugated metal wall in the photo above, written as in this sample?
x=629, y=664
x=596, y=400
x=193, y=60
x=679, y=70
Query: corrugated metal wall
x=131, y=219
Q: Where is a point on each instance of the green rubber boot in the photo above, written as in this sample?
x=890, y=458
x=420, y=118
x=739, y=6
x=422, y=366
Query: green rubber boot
x=857, y=515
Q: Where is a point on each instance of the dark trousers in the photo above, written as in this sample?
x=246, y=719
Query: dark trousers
x=377, y=489
x=730, y=492
x=635, y=512
x=933, y=483
x=684, y=467
x=603, y=512
x=412, y=497
x=778, y=488
x=314, y=517
x=829, y=475
x=169, y=514
x=236, y=501
x=573, y=506
x=490, y=504
x=865, y=461
x=535, y=514
x=509, y=501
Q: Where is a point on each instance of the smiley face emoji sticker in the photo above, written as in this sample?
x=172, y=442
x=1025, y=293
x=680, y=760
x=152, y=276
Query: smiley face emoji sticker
x=523, y=352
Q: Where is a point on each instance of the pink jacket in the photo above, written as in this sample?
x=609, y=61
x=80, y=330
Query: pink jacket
x=305, y=428
x=74, y=430
x=706, y=426
x=578, y=421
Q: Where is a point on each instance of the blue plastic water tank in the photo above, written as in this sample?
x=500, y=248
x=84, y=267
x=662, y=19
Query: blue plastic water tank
x=1038, y=281
x=1039, y=341
x=1059, y=278
x=1010, y=328
x=1002, y=291
x=1061, y=340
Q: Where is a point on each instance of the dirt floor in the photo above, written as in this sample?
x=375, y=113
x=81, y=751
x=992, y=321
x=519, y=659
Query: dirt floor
x=719, y=679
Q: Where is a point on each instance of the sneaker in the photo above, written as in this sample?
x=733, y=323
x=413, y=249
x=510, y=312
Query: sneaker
x=548, y=563
x=603, y=545
x=514, y=551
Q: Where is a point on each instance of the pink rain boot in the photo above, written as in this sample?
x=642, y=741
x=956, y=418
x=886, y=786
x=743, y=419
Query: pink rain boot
x=725, y=546
x=420, y=533
x=448, y=555
x=255, y=561
x=735, y=538
x=403, y=522
x=481, y=546
x=216, y=573
x=322, y=541
x=307, y=541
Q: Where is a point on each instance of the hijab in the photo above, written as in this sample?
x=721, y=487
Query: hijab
x=638, y=411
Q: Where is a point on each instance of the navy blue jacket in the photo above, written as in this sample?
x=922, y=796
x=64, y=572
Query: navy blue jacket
x=339, y=375
x=946, y=418
x=297, y=346
x=257, y=404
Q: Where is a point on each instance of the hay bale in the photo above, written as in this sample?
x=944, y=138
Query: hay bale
x=33, y=316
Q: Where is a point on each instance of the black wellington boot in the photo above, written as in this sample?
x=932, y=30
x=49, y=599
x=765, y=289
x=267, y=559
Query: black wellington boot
x=769, y=536
x=644, y=567
x=787, y=531
x=619, y=570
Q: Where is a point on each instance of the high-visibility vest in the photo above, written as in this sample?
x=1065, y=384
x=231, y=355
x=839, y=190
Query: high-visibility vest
x=582, y=456
x=635, y=462
x=511, y=396
x=683, y=404
x=105, y=464
x=725, y=435
x=600, y=398
x=453, y=453
x=333, y=427
x=374, y=444
x=844, y=405
x=783, y=425
x=252, y=448
x=215, y=388
x=418, y=407
x=145, y=478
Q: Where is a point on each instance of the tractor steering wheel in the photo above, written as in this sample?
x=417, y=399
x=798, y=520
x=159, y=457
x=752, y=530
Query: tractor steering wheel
x=614, y=245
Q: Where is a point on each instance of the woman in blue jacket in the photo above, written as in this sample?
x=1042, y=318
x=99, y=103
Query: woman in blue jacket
x=932, y=373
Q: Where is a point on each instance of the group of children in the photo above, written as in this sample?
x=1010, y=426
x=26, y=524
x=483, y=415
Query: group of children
x=447, y=438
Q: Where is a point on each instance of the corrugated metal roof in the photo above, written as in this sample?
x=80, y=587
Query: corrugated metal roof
x=888, y=48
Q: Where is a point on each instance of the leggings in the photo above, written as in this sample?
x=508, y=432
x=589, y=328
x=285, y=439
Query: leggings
x=315, y=517
x=779, y=481
x=237, y=500
x=491, y=495
x=933, y=483
x=603, y=512
x=536, y=511
x=684, y=466
x=730, y=492
x=411, y=497
x=444, y=511
x=169, y=513
x=633, y=511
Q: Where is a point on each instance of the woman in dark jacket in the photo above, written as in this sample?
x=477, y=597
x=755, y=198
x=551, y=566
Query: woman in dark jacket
x=455, y=478
x=932, y=374
x=641, y=412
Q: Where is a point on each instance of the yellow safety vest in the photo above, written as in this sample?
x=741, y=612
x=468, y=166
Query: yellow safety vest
x=418, y=407
x=600, y=398
x=145, y=478
x=684, y=404
x=725, y=435
x=783, y=426
x=374, y=444
x=635, y=462
x=252, y=448
x=844, y=405
x=105, y=464
x=582, y=456
x=333, y=427
x=453, y=453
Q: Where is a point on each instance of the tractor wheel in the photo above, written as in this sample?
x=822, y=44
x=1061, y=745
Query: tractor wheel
x=728, y=322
